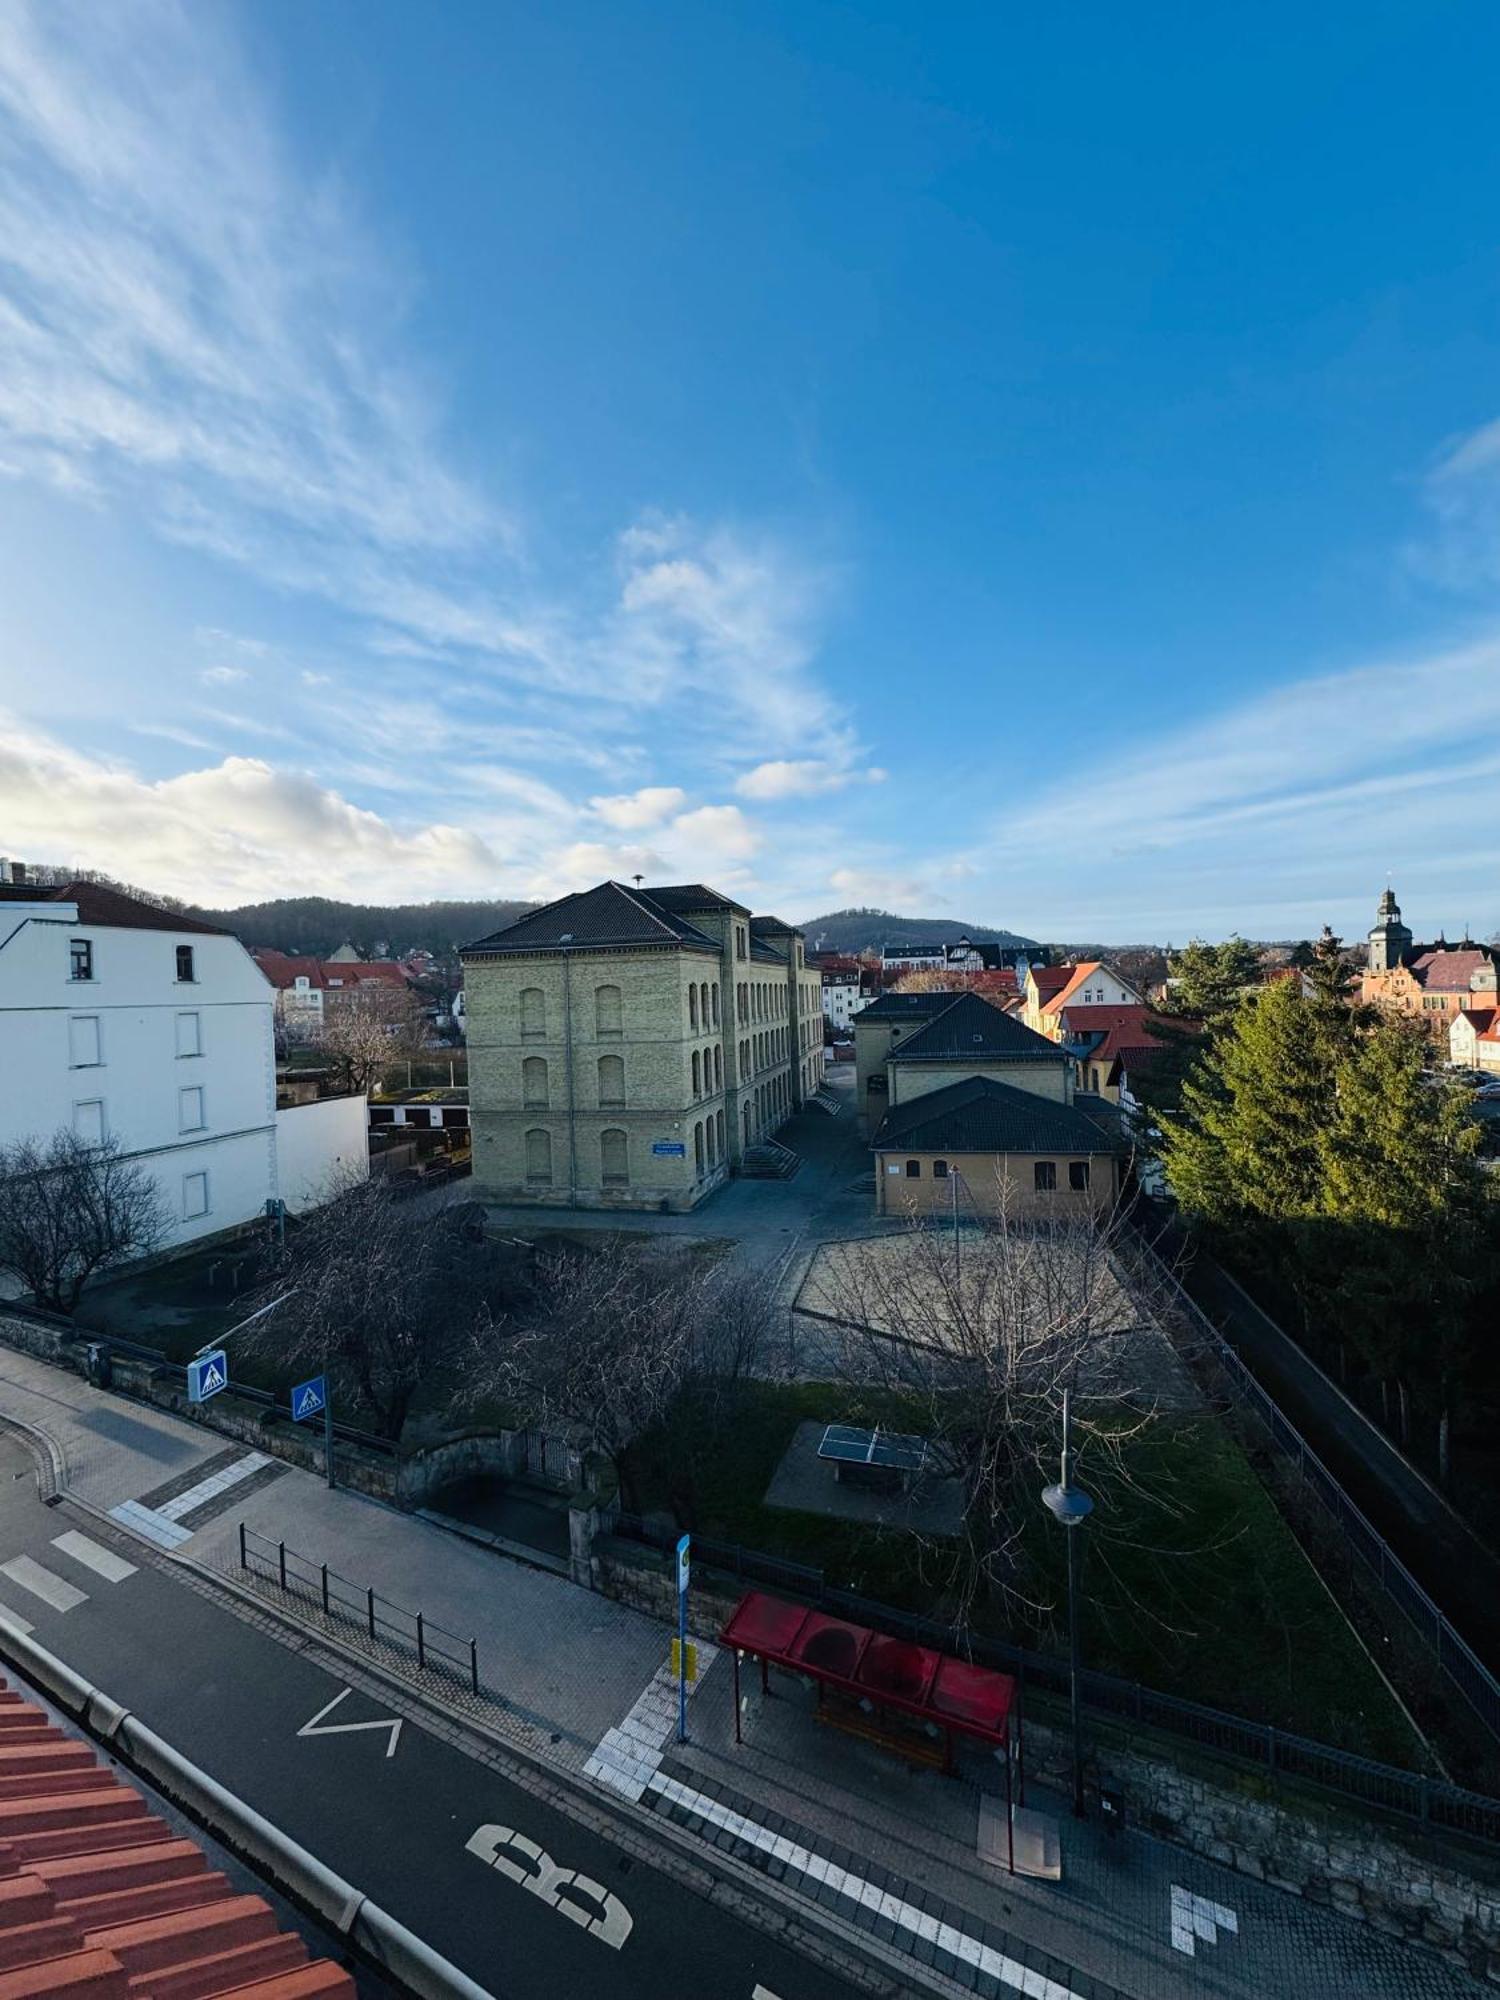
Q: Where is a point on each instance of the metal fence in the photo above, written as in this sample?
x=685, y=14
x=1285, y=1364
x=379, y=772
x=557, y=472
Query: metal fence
x=1460, y=1664
x=432, y=1645
x=1431, y=1802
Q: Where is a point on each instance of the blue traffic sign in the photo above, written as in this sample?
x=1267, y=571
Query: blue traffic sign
x=207, y=1375
x=309, y=1399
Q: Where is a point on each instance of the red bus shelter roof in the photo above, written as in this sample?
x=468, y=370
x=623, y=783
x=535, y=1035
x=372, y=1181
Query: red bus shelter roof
x=937, y=1687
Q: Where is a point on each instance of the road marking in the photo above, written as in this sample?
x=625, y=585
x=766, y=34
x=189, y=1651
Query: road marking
x=627, y=1756
x=1195, y=1919
x=152, y=1527
x=763, y=1993
x=103, y=1562
x=611, y=1922
x=318, y=1727
x=12, y=1621
x=53, y=1590
x=895, y=1909
x=163, y=1524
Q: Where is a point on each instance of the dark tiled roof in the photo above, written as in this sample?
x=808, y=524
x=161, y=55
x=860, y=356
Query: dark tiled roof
x=906, y=1007
x=685, y=897
x=608, y=914
x=1447, y=969
x=766, y=954
x=971, y=1030
x=1050, y=979
x=979, y=1115
x=772, y=926
x=107, y=907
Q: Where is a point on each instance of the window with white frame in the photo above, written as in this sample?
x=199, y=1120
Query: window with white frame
x=190, y=1034
x=88, y=1121
x=84, y=1050
x=194, y=1196
x=190, y=1108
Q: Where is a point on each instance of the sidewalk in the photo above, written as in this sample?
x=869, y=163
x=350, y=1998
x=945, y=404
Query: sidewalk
x=579, y=1681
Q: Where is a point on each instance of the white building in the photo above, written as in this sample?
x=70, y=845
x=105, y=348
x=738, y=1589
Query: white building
x=121, y=1020
x=842, y=998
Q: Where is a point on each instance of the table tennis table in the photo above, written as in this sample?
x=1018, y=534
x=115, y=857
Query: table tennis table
x=881, y=1461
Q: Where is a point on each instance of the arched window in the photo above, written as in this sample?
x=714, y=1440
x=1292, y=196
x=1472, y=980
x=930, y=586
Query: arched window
x=608, y=1019
x=940, y=1170
x=697, y=1076
x=703, y=1003
x=914, y=1170
x=539, y=1157
x=614, y=1157
x=693, y=1010
x=698, y=1149
x=715, y=997
x=719, y=1129
x=611, y=1080
x=713, y=1151
x=718, y=1067
x=533, y=1014
x=534, y=1082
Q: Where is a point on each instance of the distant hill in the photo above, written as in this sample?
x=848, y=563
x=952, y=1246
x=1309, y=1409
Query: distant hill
x=868, y=930
x=317, y=925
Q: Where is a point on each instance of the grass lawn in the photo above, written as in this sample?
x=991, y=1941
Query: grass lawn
x=1238, y=1618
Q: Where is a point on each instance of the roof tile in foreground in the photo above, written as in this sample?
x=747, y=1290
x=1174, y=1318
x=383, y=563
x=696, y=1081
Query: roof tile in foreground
x=100, y=1899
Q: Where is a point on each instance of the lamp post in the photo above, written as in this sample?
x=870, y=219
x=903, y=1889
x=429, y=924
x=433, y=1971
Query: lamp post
x=1070, y=1505
x=953, y=1180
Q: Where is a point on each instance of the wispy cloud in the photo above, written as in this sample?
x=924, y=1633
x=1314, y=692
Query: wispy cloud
x=801, y=778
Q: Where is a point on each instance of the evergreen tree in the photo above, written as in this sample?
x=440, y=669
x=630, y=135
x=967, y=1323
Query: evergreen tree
x=1329, y=972
x=1210, y=979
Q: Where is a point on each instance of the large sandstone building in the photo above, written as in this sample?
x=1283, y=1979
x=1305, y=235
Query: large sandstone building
x=628, y=1047
x=1434, y=983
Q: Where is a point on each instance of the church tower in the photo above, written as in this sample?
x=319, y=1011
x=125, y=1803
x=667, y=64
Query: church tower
x=1390, y=940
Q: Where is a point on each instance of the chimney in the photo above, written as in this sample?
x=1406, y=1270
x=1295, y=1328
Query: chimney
x=12, y=871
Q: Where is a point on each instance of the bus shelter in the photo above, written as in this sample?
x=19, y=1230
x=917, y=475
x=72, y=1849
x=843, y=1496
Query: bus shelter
x=946, y=1696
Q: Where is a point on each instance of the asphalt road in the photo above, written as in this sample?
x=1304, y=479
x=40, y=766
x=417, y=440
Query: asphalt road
x=240, y=1704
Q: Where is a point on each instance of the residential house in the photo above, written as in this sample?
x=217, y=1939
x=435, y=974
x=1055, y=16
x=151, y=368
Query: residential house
x=972, y=1091
x=1098, y=1038
x=308, y=989
x=120, y=1020
x=1474, y=1038
x=1090, y=984
x=629, y=1046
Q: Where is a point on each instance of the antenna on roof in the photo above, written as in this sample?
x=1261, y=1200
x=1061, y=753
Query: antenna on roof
x=638, y=880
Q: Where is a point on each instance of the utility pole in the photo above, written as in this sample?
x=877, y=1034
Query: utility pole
x=1070, y=1505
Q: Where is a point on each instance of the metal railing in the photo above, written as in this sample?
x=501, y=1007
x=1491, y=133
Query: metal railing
x=345, y=1603
x=1460, y=1664
x=1410, y=1795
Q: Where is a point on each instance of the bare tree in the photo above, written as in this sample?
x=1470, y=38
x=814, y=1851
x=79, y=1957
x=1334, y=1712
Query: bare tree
x=977, y=1338
x=70, y=1209
x=384, y=1296
x=611, y=1341
x=366, y=1031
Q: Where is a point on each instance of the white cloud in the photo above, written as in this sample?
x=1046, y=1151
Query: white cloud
x=633, y=811
x=235, y=830
x=883, y=889
x=715, y=834
x=800, y=778
x=223, y=676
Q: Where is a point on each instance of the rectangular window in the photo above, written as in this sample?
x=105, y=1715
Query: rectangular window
x=83, y=1041
x=80, y=959
x=194, y=1196
x=1045, y=1173
x=185, y=973
x=190, y=1108
x=1078, y=1176
x=190, y=1034
x=88, y=1121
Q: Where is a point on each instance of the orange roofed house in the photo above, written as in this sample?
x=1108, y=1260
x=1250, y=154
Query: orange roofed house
x=1052, y=990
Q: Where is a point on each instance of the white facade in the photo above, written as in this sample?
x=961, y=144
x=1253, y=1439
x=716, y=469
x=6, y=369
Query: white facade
x=159, y=1038
x=1475, y=1044
x=319, y=1145
x=842, y=1000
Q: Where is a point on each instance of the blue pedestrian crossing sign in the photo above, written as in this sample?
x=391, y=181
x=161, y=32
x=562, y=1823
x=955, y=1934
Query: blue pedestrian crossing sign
x=309, y=1399
x=207, y=1374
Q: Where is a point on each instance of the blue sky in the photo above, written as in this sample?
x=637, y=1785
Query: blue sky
x=1038, y=466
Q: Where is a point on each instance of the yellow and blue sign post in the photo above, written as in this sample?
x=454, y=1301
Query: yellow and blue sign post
x=683, y=1564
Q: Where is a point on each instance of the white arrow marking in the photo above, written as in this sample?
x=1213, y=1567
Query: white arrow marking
x=318, y=1727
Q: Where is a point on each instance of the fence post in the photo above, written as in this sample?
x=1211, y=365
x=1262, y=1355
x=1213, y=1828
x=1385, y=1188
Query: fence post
x=474, y=1665
x=243, y=1563
x=421, y=1648
x=370, y=1607
x=281, y=1562
x=1271, y=1749
x=325, y=1590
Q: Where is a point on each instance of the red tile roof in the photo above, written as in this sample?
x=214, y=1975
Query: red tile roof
x=1050, y=979
x=107, y=908
x=344, y=975
x=1122, y=1027
x=101, y=1900
x=1448, y=971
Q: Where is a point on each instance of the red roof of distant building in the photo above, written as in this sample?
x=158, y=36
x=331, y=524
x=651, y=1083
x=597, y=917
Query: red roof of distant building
x=1486, y=1022
x=1050, y=979
x=1122, y=1028
x=1446, y=970
x=284, y=970
x=101, y=1898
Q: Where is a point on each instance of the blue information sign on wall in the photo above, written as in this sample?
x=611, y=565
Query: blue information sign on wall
x=669, y=1149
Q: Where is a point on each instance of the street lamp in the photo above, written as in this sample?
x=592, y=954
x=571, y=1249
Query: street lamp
x=1070, y=1505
